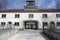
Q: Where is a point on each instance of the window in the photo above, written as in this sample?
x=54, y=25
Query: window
x=3, y=23
x=58, y=23
x=3, y=15
x=44, y=15
x=30, y=15
x=10, y=22
x=45, y=23
x=17, y=15
x=57, y=15
x=16, y=23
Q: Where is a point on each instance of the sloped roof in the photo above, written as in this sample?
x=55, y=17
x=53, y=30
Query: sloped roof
x=29, y=10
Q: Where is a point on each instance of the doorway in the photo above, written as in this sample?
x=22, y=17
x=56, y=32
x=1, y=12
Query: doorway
x=9, y=24
x=31, y=24
x=52, y=25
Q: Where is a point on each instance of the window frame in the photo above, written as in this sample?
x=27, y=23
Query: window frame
x=31, y=15
x=3, y=23
x=17, y=15
x=9, y=22
x=16, y=24
x=57, y=15
x=3, y=16
x=45, y=23
x=44, y=16
x=58, y=23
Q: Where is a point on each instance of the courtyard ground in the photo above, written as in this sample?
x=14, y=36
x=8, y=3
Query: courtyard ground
x=27, y=35
x=23, y=35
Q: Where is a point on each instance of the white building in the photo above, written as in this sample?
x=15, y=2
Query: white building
x=30, y=17
x=29, y=20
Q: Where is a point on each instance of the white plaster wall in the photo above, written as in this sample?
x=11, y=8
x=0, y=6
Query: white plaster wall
x=25, y=16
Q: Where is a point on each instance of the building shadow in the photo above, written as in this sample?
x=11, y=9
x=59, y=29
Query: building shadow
x=44, y=36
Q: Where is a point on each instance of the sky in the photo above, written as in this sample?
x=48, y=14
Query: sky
x=38, y=3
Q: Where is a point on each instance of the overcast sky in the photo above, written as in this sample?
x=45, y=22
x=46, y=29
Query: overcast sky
x=39, y=3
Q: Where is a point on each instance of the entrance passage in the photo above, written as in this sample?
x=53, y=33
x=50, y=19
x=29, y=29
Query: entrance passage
x=31, y=24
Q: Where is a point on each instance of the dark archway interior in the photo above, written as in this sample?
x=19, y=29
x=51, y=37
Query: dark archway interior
x=31, y=24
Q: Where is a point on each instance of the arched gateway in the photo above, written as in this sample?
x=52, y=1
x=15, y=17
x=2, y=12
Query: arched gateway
x=31, y=24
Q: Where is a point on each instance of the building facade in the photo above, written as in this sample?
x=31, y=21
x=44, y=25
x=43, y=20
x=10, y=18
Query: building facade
x=29, y=20
x=30, y=17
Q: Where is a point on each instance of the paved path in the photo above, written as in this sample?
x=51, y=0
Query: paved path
x=27, y=35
